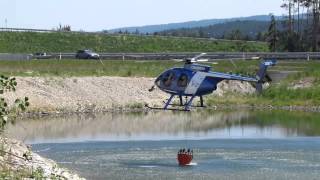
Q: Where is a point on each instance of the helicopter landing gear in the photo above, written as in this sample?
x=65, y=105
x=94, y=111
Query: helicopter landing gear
x=181, y=102
x=186, y=105
x=201, y=102
x=168, y=102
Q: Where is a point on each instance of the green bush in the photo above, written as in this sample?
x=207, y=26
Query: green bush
x=9, y=84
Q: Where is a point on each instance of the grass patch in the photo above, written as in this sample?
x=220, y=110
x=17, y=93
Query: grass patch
x=79, y=68
x=280, y=99
x=282, y=93
x=31, y=42
x=135, y=106
x=127, y=68
x=276, y=95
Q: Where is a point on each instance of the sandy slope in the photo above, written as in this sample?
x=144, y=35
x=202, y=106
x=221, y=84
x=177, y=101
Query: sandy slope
x=78, y=94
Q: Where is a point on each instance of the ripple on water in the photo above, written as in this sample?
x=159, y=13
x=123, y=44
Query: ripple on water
x=236, y=162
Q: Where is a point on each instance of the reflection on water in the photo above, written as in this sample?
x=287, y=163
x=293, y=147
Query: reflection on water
x=166, y=126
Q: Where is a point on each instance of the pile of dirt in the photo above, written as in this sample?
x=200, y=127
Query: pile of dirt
x=236, y=87
x=93, y=94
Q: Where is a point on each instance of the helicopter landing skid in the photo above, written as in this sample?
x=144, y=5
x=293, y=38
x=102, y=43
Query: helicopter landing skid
x=186, y=106
x=163, y=109
x=179, y=105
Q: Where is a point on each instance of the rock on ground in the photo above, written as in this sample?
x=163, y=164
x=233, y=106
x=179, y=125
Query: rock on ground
x=17, y=157
x=303, y=83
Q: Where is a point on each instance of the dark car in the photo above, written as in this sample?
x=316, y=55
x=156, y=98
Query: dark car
x=87, y=54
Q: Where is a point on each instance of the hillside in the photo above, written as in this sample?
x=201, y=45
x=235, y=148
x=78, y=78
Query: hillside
x=190, y=24
x=31, y=42
x=247, y=28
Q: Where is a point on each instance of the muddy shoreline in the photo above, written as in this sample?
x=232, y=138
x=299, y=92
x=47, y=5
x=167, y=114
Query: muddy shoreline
x=311, y=109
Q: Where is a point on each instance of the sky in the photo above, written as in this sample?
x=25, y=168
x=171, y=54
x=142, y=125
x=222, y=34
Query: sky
x=96, y=15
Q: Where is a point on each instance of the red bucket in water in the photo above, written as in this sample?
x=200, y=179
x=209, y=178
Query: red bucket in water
x=185, y=157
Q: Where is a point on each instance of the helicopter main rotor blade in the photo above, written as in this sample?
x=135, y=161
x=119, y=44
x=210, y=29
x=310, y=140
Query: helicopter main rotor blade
x=194, y=59
x=203, y=60
x=178, y=60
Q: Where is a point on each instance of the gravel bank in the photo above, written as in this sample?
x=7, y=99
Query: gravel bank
x=93, y=94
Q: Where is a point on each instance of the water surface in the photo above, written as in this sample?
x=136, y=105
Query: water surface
x=227, y=145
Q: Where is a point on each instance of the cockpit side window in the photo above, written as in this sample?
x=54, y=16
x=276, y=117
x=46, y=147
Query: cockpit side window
x=183, y=80
x=168, y=78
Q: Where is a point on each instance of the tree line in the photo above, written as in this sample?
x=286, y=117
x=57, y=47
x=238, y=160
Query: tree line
x=300, y=31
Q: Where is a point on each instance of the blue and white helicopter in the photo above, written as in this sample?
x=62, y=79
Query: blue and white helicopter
x=196, y=80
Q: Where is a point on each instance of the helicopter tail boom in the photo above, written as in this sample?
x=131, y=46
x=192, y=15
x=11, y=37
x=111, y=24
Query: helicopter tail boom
x=262, y=75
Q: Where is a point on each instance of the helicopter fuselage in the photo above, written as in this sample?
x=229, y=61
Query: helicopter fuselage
x=186, y=82
x=195, y=80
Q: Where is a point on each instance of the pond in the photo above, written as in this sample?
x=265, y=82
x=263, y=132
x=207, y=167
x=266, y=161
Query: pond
x=227, y=145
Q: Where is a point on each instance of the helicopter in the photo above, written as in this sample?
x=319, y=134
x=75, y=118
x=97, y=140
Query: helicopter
x=197, y=80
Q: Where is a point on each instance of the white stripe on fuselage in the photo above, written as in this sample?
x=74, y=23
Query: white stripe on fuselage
x=195, y=83
x=199, y=77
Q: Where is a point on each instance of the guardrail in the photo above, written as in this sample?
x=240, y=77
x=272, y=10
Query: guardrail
x=170, y=56
x=213, y=55
x=15, y=57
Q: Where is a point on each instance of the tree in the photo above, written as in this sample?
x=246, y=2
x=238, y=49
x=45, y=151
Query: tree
x=272, y=36
x=288, y=5
x=9, y=84
x=66, y=28
x=201, y=33
x=260, y=37
x=236, y=35
x=137, y=31
x=313, y=7
x=316, y=23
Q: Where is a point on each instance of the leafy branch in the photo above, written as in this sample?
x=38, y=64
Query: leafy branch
x=6, y=85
